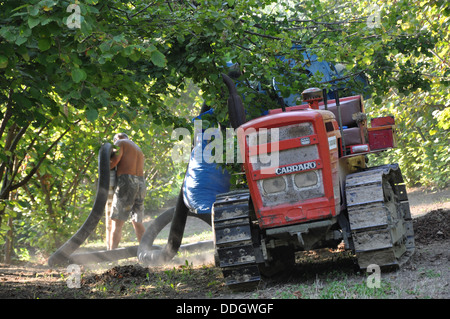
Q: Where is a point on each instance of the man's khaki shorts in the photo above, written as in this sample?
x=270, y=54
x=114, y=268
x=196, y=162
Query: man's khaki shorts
x=128, y=200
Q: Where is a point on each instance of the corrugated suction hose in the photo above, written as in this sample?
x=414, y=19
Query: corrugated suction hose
x=62, y=255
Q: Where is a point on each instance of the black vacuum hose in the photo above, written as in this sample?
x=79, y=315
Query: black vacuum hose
x=61, y=256
x=147, y=256
x=236, y=110
x=65, y=254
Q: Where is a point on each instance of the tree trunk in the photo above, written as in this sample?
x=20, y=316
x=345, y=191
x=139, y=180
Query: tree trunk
x=9, y=242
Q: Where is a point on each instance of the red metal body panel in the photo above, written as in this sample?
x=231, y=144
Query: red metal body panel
x=382, y=121
x=381, y=137
x=301, y=211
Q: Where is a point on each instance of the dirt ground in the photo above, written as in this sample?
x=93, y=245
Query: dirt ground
x=322, y=274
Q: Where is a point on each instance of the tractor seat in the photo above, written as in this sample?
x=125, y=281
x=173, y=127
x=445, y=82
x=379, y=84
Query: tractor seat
x=352, y=133
x=352, y=136
x=348, y=108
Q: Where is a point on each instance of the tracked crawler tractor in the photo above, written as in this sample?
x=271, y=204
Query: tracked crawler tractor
x=309, y=187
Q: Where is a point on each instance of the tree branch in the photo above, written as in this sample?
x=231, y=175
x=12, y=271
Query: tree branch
x=7, y=115
x=34, y=170
x=28, y=149
x=65, y=197
x=262, y=35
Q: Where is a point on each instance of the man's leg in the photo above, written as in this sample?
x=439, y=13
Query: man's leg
x=138, y=209
x=116, y=232
x=139, y=229
x=122, y=203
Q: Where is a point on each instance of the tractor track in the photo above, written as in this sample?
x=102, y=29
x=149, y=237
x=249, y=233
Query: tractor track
x=236, y=253
x=380, y=218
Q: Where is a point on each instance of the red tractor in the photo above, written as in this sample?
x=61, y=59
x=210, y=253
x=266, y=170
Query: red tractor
x=309, y=187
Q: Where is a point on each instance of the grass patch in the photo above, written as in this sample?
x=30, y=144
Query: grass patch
x=336, y=285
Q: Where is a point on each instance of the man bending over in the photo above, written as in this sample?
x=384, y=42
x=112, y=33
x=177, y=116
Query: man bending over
x=130, y=189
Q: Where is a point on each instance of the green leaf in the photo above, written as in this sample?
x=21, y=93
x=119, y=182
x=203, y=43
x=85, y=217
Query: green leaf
x=32, y=22
x=8, y=33
x=21, y=40
x=105, y=46
x=44, y=44
x=127, y=51
x=158, y=59
x=33, y=10
x=3, y=62
x=52, y=58
x=378, y=100
x=46, y=21
x=135, y=56
x=91, y=114
x=78, y=75
x=26, y=57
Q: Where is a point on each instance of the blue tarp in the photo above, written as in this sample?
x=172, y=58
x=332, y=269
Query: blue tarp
x=329, y=74
x=203, y=181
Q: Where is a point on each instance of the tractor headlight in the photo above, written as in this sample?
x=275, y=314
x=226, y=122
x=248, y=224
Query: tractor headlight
x=274, y=185
x=306, y=179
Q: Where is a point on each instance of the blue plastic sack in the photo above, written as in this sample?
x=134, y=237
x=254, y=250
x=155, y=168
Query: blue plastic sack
x=203, y=181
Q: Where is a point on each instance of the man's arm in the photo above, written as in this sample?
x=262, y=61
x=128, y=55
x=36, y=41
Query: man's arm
x=115, y=158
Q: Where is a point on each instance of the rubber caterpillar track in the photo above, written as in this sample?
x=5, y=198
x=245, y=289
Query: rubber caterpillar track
x=236, y=254
x=379, y=215
x=176, y=215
